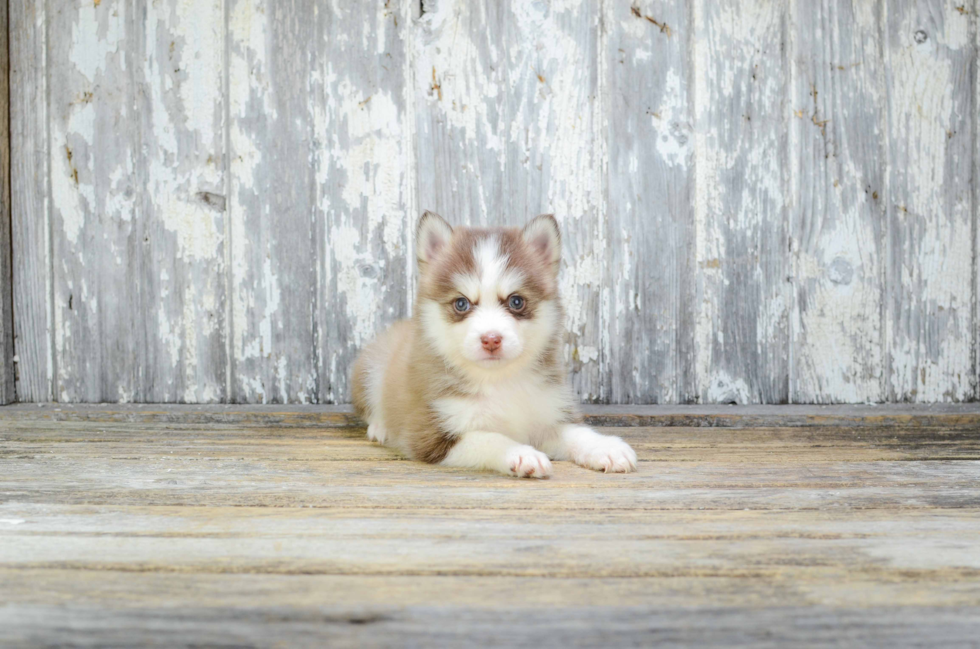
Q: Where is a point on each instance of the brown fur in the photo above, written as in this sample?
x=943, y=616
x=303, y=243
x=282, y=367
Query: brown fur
x=414, y=377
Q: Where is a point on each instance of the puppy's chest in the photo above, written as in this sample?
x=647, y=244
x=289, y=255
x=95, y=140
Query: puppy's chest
x=524, y=409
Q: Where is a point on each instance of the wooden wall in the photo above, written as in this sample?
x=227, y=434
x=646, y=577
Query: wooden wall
x=7, y=377
x=762, y=200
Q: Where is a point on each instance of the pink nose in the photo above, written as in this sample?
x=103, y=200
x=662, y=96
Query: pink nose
x=491, y=341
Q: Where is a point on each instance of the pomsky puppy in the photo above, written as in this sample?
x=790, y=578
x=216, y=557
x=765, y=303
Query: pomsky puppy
x=475, y=379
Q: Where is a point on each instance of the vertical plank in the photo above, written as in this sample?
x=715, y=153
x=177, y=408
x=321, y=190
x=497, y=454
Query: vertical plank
x=182, y=163
x=650, y=209
x=7, y=394
x=273, y=188
x=929, y=62
x=364, y=161
x=30, y=200
x=741, y=232
x=976, y=210
x=837, y=201
x=509, y=126
x=97, y=245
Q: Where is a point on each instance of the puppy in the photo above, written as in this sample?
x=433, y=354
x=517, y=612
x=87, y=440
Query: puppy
x=475, y=378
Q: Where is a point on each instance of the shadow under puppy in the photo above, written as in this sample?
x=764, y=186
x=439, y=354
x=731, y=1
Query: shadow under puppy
x=475, y=378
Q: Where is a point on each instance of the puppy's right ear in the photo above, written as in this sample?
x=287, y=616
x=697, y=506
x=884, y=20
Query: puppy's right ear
x=431, y=237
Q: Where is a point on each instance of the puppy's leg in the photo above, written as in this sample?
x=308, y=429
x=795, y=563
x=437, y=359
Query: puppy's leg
x=484, y=450
x=587, y=448
x=376, y=432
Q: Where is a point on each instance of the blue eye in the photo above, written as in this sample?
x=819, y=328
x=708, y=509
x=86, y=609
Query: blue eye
x=462, y=305
x=516, y=302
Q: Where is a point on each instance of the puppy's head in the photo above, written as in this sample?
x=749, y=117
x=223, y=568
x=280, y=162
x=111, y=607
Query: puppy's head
x=488, y=299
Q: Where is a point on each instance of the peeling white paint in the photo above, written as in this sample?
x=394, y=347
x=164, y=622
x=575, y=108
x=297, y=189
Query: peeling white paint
x=73, y=198
x=587, y=354
x=723, y=388
x=670, y=122
x=739, y=201
x=94, y=35
x=928, y=325
x=507, y=107
x=460, y=76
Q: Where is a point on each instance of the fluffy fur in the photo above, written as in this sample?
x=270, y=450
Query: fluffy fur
x=475, y=378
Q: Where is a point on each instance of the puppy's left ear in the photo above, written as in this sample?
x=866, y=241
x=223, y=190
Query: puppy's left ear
x=544, y=238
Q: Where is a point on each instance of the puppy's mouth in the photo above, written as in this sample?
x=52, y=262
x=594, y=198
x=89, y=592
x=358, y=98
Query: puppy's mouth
x=490, y=359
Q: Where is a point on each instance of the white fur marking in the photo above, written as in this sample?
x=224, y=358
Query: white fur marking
x=587, y=448
x=468, y=285
x=494, y=280
x=377, y=433
x=484, y=450
x=510, y=281
x=491, y=265
x=524, y=407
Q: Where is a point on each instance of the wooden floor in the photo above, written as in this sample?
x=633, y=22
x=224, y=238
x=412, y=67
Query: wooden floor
x=286, y=527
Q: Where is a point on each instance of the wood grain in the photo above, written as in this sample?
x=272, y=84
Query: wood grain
x=930, y=56
x=949, y=416
x=98, y=240
x=7, y=394
x=365, y=182
x=273, y=254
x=183, y=532
x=650, y=207
x=838, y=201
x=182, y=209
x=743, y=298
x=30, y=200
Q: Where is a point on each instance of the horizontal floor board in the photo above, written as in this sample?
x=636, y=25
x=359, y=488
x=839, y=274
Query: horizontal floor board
x=960, y=415
x=940, y=545
x=27, y=439
x=789, y=587
x=816, y=626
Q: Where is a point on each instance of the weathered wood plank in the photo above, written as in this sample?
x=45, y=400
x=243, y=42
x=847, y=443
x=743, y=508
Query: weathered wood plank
x=880, y=526
x=432, y=543
x=929, y=56
x=792, y=586
x=272, y=227
x=837, y=201
x=96, y=197
x=365, y=181
x=508, y=113
x=650, y=211
x=346, y=626
x=680, y=469
x=182, y=163
x=741, y=76
x=961, y=416
x=976, y=213
x=30, y=199
x=128, y=442
x=7, y=394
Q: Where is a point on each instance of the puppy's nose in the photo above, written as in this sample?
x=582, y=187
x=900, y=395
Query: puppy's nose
x=491, y=341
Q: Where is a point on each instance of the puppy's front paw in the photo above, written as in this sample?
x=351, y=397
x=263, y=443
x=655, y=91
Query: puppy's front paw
x=607, y=454
x=377, y=433
x=528, y=462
